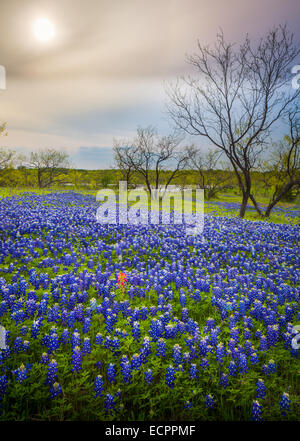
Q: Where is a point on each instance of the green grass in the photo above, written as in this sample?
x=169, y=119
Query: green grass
x=140, y=401
x=210, y=207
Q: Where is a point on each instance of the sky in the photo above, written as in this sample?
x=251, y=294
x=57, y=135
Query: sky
x=106, y=69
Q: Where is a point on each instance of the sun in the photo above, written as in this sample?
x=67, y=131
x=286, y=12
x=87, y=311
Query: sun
x=44, y=29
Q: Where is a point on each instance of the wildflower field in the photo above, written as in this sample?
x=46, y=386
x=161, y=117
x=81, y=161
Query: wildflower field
x=131, y=322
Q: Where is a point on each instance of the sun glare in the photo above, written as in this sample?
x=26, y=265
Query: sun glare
x=43, y=29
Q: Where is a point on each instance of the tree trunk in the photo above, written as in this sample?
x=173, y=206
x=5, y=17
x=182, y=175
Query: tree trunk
x=148, y=186
x=287, y=187
x=39, y=178
x=256, y=206
x=128, y=178
x=244, y=204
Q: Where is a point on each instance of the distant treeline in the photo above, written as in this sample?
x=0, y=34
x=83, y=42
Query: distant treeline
x=219, y=180
x=232, y=102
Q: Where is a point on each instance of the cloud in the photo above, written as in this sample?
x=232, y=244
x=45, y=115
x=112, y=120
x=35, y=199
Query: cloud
x=103, y=74
x=93, y=158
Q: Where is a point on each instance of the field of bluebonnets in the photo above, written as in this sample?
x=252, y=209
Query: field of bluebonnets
x=145, y=322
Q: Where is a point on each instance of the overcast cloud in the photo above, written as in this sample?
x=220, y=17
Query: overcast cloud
x=104, y=72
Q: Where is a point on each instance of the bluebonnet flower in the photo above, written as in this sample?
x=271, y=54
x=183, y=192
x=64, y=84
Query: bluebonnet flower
x=18, y=345
x=136, y=362
x=3, y=385
x=71, y=319
x=224, y=380
x=3, y=308
x=254, y=358
x=65, y=336
x=99, y=386
x=53, y=342
x=263, y=343
x=182, y=299
x=203, y=347
x=24, y=330
x=214, y=336
x=109, y=403
x=193, y=371
x=118, y=394
x=146, y=346
x=161, y=347
x=180, y=368
x=188, y=404
x=272, y=366
x=21, y=373
x=99, y=339
x=79, y=314
x=210, y=349
x=51, y=372
x=260, y=389
x=76, y=359
x=242, y=363
x=86, y=346
x=285, y=403
x=170, y=331
x=75, y=339
x=265, y=369
x=244, y=279
x=231, y=344
x=272, y=334
x=55, y=390
x=248, y=347
x=107, y=342
x=220, y=353
x=256, y=411
x=258, y=333
x=184, y=314
x=148, y=376
x=210, y=323
x=86, y=325
x=18, y=316
x=111, y=373
x=136, y=332
x=170, y=376
x=109, y=323
x=115, y=345
x=204, y=363
x=126, y=371
x=234, y=333
x=156, y=329
x=45, y=358
x=247, y=334
x=177, y=355
x=187, y=357
x=209, y=401
x=232, y=368
x=93, y=304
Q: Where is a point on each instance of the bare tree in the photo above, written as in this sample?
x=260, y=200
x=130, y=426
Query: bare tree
x=283, y=170
x=122, y=151
x=238, y=95
x=151, y=156
x=3, y=131
x=210, y=170
x=50, y=165
x=7, y=156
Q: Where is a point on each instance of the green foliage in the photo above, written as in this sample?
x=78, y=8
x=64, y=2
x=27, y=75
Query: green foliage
x=140, y=401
